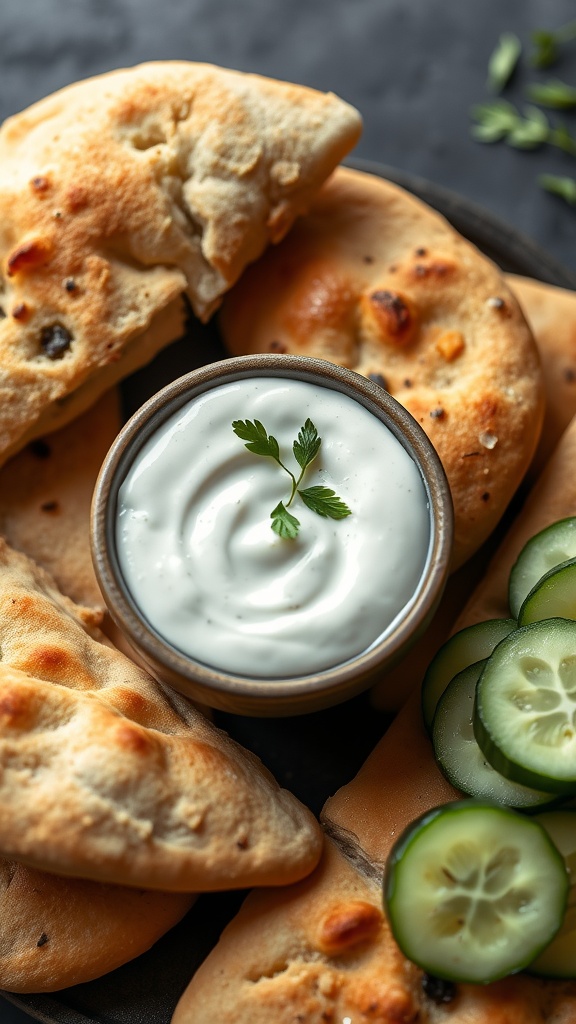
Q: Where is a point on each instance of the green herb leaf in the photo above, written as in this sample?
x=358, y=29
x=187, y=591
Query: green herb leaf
x=307, y=446
x=503, y=61
x=283, y=523
x=546, y=52
x=547, y=42
x=257, y=439
x=500, y=120
x=325, y=502
x=494, y=121
x=563, y=187
x=554, y=93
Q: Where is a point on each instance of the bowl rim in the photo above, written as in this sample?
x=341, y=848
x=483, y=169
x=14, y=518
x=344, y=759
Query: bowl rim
x=217, y=687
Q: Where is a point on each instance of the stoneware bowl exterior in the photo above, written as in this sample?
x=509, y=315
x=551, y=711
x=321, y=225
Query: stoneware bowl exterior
x=269, y=697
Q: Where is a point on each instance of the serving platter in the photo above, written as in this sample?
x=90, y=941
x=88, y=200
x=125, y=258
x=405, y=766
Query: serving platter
x=311, y=755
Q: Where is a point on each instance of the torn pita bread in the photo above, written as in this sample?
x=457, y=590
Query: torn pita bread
x=321, y=950
x=56, y=932
x=375, y=280
x=105, y=777
x=119, y=193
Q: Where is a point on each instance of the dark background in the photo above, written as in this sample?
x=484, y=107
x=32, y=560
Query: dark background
x=413, y=68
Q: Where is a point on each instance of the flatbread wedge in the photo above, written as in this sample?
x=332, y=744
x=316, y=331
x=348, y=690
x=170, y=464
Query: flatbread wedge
x=103, y=776
x=118, y=194
x=322, y=951
x=551, y=314
x=56, y=932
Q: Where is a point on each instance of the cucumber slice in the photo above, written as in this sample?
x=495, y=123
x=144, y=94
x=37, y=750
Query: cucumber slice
x=546, y=549
x=559, y=958
x=554, y=596
x=525, y=709
x=474, y=892
x=459, y=756
x=463, y=649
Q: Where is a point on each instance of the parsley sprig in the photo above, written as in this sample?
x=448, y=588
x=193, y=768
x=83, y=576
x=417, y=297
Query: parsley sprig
x=501, y=120
x=322, y=500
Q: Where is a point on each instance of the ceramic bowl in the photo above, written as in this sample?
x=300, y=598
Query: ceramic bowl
x=278, y=696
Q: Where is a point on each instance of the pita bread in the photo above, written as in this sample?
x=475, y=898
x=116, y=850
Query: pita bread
x=105, y=777
x=319, y=951
x=551, y=314
x=119, y=193
x=376, y=281
x=56, y=932
x=45, y=497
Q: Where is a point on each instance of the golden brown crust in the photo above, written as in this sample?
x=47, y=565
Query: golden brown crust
x=105, y=777
x=374, y=280
x=121, y=192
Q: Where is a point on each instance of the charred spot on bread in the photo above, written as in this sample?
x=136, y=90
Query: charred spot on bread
x=391, y=315
x=70, y=284
x=20, y=312
x=438, y=989
x=380, y=379
x=55, y=341
x=438, y=414
x=569, y=375
x=40, y=183
x=50, y=506
x=278, y=346
x=42, y=940
x=40, y=448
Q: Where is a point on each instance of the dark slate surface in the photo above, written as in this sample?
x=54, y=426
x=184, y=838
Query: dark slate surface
x=413, y=68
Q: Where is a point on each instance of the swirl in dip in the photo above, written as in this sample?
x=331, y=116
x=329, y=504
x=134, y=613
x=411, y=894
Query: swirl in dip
x=200, y=559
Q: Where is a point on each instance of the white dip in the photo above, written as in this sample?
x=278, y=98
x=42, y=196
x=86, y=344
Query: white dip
x=205, y=568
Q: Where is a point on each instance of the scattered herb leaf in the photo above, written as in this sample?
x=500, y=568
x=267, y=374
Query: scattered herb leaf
x=554, y=93
x=559, y=186
x=284, y=523
x=503, y=61
x=547, y=41
x=321, y=500
x=501, y=120
x=325, y=502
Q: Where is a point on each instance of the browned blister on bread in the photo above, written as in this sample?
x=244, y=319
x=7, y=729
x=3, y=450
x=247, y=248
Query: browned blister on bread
x=119, y=193
x=376, y=281
x=105, y=777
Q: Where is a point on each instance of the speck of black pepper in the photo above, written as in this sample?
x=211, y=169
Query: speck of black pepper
x=379, y=379
x=49, y=506
x=438, y=990
x=55, y=341
x=70, y=284
x=40, y=449
x=486, y=496
x=58, y=214
x=368, y=259
x=407, y=383
x=438, y=414
x=42, y=940
x=420, y=251
x=569, y=375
